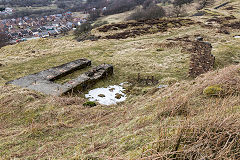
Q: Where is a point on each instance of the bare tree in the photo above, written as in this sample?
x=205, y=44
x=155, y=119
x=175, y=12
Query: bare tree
x=180, y=3
x=178, y=6
x=153, y=11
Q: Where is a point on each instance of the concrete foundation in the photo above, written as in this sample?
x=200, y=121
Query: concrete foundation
x=43, y=81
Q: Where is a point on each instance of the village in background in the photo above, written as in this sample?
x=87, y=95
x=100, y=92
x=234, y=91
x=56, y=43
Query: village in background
x=27, y=28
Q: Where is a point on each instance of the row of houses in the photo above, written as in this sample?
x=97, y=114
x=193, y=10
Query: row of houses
x=40, y=32
x=26, y=28
x=27, y=22
x=6, y=11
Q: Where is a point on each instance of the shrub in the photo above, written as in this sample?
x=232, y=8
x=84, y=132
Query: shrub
x=181, y=2
x=178, y=7
x=177, y=11
x=214, y=90
x=83, y=33
x=204, y=3
x=84, y=28
x=152, y=12
x=94, y=15
x=119, y=6
x=147, y=4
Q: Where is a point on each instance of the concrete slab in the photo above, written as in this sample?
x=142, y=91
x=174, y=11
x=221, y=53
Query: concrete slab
x=43, y=81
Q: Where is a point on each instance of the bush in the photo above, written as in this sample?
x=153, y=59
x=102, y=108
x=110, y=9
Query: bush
x=214, y=90
x=147, y=4
x=94, y=15
x=119, y=6
x=181, y=2
x=84, y=28
x=83, y=32
x=152, y=12
x=204, y=3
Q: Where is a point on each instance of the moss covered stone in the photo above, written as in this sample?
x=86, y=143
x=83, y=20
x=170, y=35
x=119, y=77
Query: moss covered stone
x=214, y=90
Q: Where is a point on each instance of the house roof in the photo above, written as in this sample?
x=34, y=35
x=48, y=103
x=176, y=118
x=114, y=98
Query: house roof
x=34, y=30
x=14, y=34
x=45, y=33
x=52, y=32
x=24, y=32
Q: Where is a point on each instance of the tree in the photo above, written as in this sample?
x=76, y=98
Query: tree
x=204, y=3
x=93, y=15
x=153, y=11
x=62, y=5
x=178, y=11
x=147, y=3
x=96, y=3
x=180, y=3
x=3, y=39
x=178, y=6
x=84, y=28
x=139, y=2
x=120, y=6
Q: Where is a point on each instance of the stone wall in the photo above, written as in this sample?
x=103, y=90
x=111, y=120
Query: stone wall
x=201, y=60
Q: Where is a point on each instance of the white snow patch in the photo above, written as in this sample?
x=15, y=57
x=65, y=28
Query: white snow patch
x=109, y=93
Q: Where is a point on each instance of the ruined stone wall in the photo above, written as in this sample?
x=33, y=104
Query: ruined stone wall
x=201, y=60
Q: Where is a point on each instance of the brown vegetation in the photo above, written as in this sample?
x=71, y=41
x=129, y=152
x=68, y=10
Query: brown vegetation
x=179, y=118
x=141, y=27
x=233, y=25
x=210, y=127
x=184, y=122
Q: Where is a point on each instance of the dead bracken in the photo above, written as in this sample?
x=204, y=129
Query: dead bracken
x=142, y=27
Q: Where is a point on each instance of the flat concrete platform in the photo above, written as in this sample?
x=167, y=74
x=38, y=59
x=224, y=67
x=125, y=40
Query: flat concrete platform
x=43, y=81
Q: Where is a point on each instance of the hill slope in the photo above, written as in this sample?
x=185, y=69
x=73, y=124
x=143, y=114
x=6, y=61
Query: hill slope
x=191, y=118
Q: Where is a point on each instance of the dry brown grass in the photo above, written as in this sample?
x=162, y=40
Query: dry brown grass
x=175, y=123
x=178, y=122
x=206, y=127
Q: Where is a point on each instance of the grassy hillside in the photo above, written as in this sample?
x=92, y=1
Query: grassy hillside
x=190, y=119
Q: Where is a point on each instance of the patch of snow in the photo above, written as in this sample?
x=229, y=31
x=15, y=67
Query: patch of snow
x=110, y=93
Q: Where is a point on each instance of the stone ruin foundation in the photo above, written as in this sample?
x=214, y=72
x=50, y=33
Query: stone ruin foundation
x=44, y=81
x=201, y=60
